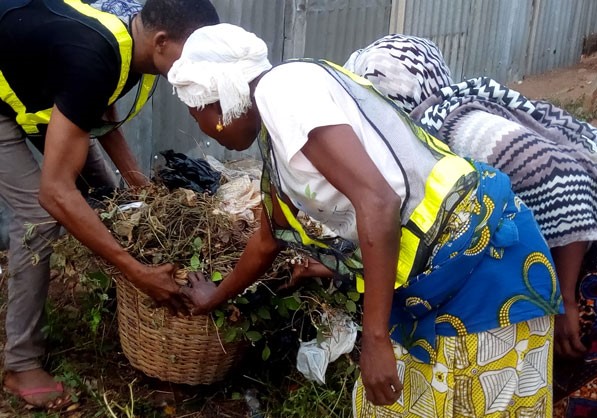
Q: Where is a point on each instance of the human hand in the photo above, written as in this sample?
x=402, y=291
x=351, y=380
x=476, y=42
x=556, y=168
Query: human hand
x=378, y=371
x=567, y=333
x=158, y=283
x=199, y=291
x=305, y=268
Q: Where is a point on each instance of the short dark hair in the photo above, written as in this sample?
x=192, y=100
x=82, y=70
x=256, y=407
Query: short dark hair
x=179, y=18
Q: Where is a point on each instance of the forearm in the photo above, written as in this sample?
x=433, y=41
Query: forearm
x=65, y=153
x=257, y=258
x=379, y=237
x=119, y=152
x=70, y=209
x=568, y=261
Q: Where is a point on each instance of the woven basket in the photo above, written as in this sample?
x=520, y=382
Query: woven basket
x=173, y=349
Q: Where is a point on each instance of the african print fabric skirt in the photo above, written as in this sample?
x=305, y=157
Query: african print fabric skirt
x=504, y=372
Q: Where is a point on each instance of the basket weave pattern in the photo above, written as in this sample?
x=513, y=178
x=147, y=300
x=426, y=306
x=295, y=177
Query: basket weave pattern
x=173, y=349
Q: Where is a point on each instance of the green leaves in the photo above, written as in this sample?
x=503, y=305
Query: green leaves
x=230, y=335
x=350, y=306
x=292, y=302
x=354, y=296
x=233, y=333
x=284, y=305
x=241, y=300
x=264, y=313
x=253, y=336
x=196, y=264
x=100, y=279
x=340, y=298
x=197, y=244
x=265, y=353
x=220, y=317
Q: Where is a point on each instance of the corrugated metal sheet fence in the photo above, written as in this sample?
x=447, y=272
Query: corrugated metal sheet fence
x=560, y=27
x=503, y=39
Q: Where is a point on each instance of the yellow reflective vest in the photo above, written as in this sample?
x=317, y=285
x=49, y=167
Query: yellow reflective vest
x=113, y=30
x=449, y=181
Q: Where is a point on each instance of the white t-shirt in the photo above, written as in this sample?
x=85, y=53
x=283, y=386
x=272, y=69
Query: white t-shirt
x=295, y=98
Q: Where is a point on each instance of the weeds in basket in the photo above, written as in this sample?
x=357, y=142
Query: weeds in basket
x=188, y=230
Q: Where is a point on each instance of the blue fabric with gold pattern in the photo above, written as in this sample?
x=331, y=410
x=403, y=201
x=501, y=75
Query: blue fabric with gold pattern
x=490, y=269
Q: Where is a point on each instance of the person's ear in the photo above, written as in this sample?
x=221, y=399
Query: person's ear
x=160, y=41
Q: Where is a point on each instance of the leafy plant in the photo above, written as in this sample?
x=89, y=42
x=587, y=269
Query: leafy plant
x=299, y=397
x=95, y=303
x=176, y=228
x=195, y=263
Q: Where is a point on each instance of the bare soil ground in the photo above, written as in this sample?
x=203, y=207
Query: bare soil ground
x=574, y=88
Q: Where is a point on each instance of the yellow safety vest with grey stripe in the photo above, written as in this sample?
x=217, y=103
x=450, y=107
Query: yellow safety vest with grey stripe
x=115, y=32
x=450, y=179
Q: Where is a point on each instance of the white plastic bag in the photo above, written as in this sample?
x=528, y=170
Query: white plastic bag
x=241, y=198
x=235, y=169
x=313, y=358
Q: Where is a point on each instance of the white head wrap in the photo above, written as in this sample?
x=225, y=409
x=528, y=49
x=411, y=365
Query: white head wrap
x=217, y=63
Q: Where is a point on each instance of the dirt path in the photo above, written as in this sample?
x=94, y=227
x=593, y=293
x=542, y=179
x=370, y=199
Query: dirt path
x=574, y=88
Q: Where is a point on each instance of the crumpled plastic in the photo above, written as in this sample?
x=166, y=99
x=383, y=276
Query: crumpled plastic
x=188, y=173
x=240, y=198
x=313, y=357
x=239, y=168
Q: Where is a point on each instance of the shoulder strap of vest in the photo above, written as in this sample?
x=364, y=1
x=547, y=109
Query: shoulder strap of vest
x=145, y=88
x=108, y=25
x=116, y=34
x=120, y=39
x=431, y=141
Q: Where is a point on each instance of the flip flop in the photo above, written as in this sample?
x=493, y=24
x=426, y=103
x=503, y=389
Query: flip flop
x=49, y=405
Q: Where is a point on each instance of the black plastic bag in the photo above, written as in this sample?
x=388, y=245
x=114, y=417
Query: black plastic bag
x=189, y=173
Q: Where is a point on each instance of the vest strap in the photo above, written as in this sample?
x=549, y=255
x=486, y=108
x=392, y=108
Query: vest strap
x=120, y=32
x=29, y=121
x=145, y=89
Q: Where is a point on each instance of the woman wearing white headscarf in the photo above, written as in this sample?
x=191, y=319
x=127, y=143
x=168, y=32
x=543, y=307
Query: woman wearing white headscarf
x=424, y=232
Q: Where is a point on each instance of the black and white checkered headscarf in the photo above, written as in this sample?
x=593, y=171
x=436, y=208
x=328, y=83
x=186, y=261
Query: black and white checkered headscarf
x=405, y=68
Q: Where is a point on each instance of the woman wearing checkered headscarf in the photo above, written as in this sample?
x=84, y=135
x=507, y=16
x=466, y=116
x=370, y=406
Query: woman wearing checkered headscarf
x=550, y=156
x=407, y=69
